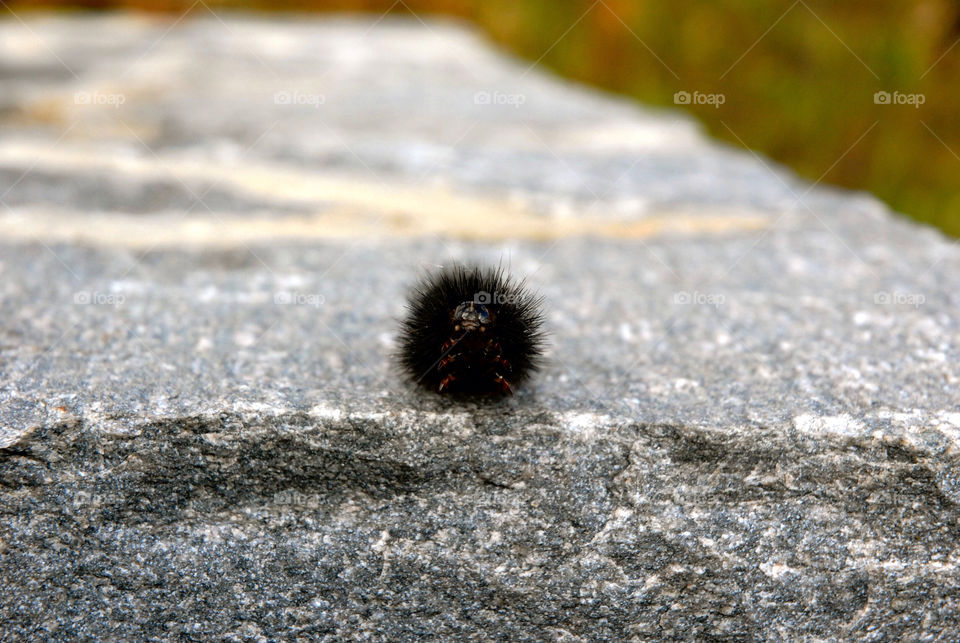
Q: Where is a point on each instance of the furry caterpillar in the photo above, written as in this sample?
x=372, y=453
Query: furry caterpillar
x=471, y=330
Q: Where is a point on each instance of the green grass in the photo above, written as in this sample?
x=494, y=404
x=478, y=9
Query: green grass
x=798, y=79
x=803, y=94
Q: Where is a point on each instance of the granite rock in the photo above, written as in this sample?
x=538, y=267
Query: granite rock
x=747, y=427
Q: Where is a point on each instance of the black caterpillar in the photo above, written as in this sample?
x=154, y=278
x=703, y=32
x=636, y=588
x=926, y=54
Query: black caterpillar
x=471, y=330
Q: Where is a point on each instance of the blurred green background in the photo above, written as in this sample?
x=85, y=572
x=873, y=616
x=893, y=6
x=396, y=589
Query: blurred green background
x=798, y=78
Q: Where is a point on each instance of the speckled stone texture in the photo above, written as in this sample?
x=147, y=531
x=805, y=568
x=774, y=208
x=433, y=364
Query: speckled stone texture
x=747, y=428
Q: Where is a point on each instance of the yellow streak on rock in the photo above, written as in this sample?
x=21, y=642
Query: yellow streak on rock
x=344, y=207
x=146, y=231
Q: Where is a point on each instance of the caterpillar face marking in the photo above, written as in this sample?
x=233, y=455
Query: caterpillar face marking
x=471, y=331
x=471, y=316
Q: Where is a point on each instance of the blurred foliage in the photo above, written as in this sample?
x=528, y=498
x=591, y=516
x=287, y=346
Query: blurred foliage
x=798, y=78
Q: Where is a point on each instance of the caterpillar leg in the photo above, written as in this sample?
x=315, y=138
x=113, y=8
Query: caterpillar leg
x=504, y=384
x=445, y=382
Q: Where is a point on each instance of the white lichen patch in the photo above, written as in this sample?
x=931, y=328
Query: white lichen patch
x=948, y=423
x=839, y=425
x=587, y=425
x=777, y=571
x=684, y=384
x=112, y=426
x=325, y=412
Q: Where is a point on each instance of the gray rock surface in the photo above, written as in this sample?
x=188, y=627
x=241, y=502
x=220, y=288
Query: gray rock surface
x=748, y=427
